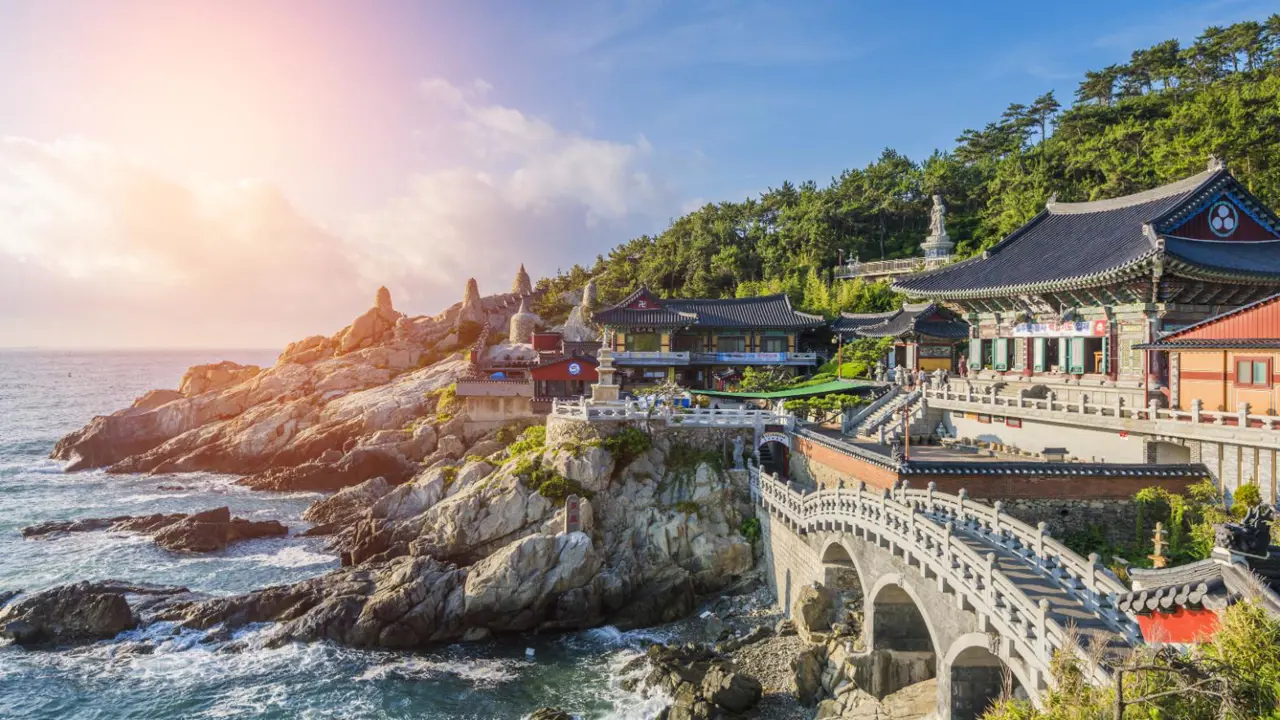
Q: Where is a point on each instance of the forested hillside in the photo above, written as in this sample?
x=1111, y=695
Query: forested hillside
x=1154, y=120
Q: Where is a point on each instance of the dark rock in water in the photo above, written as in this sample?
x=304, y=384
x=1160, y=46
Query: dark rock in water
x=171, y=487
x=361, y=464
x=213, y=530
x=7, y=595
x=548, y=713
x=703, y=684
x=665, y=595
x=83, y=612
x=202, y=532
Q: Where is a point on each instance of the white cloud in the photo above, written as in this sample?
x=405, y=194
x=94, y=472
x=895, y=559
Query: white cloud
x=518, y=190
x=96, y=249
x=99, y=250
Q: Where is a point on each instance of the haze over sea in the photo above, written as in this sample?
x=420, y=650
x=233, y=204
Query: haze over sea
x=46, y=394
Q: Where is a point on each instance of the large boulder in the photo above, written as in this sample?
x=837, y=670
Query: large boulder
x=83, y=612
x=201, y=379
x=813, y=609
x=807, y=668
x=361, y=464
x=348, y=504
x=213, y=530
x=513, y=588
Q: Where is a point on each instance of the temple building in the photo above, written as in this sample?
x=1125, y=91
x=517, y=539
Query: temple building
x=1067, y=299
x=705, y=344
x=926, y=335
x=1227, y=363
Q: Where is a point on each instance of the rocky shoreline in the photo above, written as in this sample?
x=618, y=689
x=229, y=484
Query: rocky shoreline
x=449, y=530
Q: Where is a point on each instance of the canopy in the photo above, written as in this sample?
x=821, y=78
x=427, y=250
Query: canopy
x=823, y=389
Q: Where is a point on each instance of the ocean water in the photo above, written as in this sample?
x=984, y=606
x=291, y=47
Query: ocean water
x=46, y=394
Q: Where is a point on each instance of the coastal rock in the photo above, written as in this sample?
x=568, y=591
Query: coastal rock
x=812, y=610
x=357, y=466
x=83, y=612
x=348, y=504
x=213, y=530
x=153, y=399
x=214, y=377
x=202, y=532
x=808, y=666
x=702, y=684
x=548, y=713
x=510, y=589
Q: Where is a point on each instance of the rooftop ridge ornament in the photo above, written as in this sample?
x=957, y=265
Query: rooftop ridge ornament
x=1215, y=164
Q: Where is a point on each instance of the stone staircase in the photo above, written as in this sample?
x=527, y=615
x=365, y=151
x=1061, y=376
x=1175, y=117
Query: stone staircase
x=885, y=423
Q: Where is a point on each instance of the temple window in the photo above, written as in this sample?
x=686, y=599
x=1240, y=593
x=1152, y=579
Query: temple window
x=644, y=342
x=773, y=344
x=1253, y=372
x=731, y=343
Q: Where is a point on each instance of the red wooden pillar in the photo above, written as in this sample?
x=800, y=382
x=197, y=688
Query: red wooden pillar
x=1028, y=356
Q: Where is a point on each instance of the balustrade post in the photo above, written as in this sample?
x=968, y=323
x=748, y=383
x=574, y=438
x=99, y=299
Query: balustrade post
x=933, y=486
x=1153, y=409
x=998, y=507
x=1084, y=401
x=1196, y=406
x=1042, y=627
x=988, y=580
x=1242, y=412
x=1041, y=531
x=961, y=497
x=1119, y=406
x=1091, y=582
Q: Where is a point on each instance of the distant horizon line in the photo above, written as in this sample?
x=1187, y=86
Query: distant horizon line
x=136, y=348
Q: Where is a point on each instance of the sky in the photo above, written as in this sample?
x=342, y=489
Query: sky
x=237, y=173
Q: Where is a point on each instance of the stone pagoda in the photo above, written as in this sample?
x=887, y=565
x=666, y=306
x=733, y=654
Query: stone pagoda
x=607, y=390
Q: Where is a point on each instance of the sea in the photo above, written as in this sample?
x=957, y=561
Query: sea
x=46, y=394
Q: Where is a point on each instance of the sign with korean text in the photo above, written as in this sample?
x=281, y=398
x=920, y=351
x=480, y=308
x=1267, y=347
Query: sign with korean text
x=778, y=437
x=1085, y=328
x=572, y=514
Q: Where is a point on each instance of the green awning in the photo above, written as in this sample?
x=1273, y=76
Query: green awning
x=834, y=386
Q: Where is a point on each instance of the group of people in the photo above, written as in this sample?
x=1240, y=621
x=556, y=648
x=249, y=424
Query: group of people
x=912, y=380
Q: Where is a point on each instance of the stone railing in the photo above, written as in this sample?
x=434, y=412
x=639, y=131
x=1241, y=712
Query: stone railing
x=928, y=527
x=888, y=267
x=888, y=413
x=651, y=357
x=851, y=424
x=585, y=410
x=1196, y=423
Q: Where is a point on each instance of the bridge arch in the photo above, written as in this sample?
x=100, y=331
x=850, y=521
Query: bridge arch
x=896, y=618
x=976, y=677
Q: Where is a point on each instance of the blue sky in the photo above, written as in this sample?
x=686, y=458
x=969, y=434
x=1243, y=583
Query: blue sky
x=168, y=160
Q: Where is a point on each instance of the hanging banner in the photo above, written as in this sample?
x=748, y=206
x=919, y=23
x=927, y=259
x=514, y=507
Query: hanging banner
x=1087, y=328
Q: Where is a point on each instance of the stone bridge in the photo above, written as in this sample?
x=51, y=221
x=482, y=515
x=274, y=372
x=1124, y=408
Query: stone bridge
x=985, y=598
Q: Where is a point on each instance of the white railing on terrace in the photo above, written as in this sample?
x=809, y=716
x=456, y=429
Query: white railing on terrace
x=732, y=358
x=586, y=410
x=888, y=267
x=925, y=525
x=888, y=412
x=652, y=356
x=1242, y=418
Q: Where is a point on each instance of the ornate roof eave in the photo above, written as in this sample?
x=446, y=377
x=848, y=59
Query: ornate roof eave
x=1138, y=267
x=1193, y=271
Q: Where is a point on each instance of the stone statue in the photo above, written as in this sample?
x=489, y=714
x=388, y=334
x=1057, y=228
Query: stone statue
x=900, y=375
x=882, y=373
x=937, y=222
x=1251, y=536
x=737, y=453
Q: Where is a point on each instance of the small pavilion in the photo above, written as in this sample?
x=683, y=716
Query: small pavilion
x=926, y=335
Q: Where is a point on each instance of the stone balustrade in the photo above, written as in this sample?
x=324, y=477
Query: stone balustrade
x=937, y=531
x=587, y=411
x=1197, y=423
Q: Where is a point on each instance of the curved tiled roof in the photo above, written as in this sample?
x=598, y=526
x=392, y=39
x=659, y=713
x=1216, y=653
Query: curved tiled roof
x=1075, y=244
x=923, y=318
x=769, y=312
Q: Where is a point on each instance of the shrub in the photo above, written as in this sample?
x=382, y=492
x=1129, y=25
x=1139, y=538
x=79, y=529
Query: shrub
x=447, y=403
x=750, y=529
x=627, y=444
x=534, y=437
x=1245, y=497
x=557, y=487
x=448, y=475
